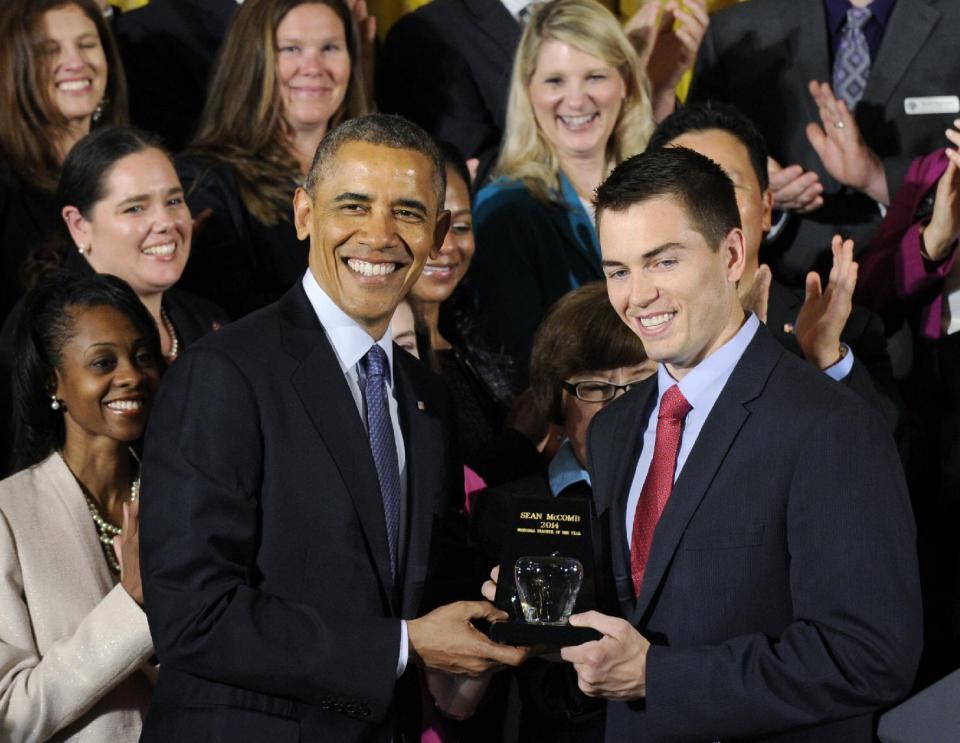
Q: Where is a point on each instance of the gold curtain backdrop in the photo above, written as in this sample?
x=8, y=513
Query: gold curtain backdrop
x=388, y=11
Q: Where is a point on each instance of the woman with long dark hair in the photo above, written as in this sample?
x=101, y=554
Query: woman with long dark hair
x=289, y=71
x=60, y=77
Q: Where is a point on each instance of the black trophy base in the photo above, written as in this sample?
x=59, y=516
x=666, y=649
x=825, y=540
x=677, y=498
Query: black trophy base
x=550, y=635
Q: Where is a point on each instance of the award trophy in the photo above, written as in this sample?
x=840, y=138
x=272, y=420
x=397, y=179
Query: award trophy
x=546, y=573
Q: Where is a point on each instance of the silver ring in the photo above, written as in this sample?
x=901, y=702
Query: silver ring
x=839, y=124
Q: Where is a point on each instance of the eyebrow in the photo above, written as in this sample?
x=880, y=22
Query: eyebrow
x=647, y=255
x=351, y=196
x=145, y=196
x=367, y=199
x=102, y=344
x=411, y=204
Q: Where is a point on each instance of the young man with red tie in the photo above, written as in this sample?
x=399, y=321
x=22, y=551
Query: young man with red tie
x=761, y=536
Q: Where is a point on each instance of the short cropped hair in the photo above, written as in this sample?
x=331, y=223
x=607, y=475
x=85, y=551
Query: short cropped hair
x=704, y=191
x=722, y=116
x=581, y=332
x=379, y=129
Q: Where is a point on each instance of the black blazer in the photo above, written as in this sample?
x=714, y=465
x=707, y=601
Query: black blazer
x=236, y=261
x=760, y=57
x=781, y=593
x=264, y=551
x=168, y=49
x=447, y=67
x=28, y=217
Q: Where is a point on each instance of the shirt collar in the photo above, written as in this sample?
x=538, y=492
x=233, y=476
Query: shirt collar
x=350, y=341
x=515, y=6
x=564, y=470
x=699, y=385
x=837, y=13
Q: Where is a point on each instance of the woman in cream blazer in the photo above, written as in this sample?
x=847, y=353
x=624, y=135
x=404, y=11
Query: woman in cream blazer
x=74, y=642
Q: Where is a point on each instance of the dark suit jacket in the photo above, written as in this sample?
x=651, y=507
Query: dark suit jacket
x=447, y=67
x=168, y=49
x=760, y=57
x=872, y=374
x=264, y=550
x=781, y=592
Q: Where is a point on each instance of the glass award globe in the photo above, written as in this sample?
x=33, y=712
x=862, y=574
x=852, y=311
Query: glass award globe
x=547, y=587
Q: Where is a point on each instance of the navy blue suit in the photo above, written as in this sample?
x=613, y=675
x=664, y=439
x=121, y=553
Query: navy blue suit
x=781, y=593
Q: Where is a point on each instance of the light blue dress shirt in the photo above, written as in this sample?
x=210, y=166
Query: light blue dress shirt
x=701, y=387
x=564, y=470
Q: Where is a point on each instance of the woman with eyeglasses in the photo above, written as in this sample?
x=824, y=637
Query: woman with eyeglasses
x=583, y=358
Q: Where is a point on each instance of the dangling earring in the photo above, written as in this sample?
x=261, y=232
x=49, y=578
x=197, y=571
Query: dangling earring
x=82, y=248
x=54, y=403
x=98, y=111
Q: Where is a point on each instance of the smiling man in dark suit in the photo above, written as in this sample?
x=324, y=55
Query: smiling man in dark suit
x=761, y=536
x=297, y=478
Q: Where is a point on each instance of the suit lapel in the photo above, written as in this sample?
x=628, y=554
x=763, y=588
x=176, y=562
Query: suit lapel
x=495, y=20
x=623, y=464
x=424, y=479
x=811, y=49
x=722, y=426
x=323, y=390
x=908, y=27
x=83, y=543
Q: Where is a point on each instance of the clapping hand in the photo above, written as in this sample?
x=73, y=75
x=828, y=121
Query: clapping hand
x=793, y=188
x=127, y=549
x=941, y=233
x=839, y=145
x=758, y=298
x=825, y=312
x=668, y=47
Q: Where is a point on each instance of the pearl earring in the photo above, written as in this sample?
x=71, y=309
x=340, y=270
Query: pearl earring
x=82, y=248
x=54, y=403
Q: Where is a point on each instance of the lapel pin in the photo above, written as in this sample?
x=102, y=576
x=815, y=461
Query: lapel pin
x=420, y=405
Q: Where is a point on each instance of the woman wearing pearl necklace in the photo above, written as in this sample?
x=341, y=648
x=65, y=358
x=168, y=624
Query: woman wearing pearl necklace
x=74, y=641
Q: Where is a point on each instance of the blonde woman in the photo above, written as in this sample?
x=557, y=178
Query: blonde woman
x=289, y=72
x=579, y=104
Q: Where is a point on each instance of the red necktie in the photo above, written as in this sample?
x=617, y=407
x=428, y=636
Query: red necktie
x=659, y=483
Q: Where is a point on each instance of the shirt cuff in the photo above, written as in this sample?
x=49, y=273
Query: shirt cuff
x=841, y=370
x=781, y=219
x=404, y=648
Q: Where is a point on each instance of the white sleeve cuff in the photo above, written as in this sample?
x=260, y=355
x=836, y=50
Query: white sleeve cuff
x=404, y=648
x=841, y=370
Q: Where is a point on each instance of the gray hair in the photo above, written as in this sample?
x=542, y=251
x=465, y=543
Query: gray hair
x=380, y=129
